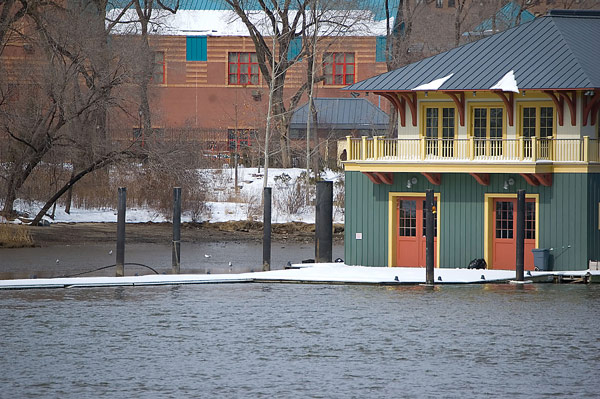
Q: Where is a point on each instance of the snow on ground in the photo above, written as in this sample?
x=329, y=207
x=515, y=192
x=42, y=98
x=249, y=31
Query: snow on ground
x=224, y=204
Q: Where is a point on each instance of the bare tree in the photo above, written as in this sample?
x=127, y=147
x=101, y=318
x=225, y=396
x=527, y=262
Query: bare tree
x=272, y=29
x=70, y=84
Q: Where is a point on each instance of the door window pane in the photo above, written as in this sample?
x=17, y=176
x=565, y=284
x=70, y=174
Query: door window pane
x=530, y=221
x=407, y=218
x=504, y=219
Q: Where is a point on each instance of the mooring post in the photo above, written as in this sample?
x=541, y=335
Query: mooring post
x=267, y=229
x=176, y=252
x=324, y=222
x=520, y=272
x=122, y=204
x=429, y=233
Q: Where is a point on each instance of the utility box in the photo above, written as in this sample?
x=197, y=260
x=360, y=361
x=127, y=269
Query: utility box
x=541, y=257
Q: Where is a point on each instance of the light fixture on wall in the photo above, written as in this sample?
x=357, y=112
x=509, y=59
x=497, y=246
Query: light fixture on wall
x=425, y=94
x=474, y=93
x=411, y=182
x=508, y=183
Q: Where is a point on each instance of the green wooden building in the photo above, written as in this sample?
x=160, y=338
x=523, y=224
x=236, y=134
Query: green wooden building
x=516, y=110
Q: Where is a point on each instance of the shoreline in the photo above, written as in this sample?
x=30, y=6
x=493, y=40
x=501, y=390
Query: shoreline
x=58, y=234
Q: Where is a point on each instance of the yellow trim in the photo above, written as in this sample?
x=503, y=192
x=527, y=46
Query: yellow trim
x=487, y=105
x=535, y=104
x=488, y=234
x=392, y=213
x=468, y=167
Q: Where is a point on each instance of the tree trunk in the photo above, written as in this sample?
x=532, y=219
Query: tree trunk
x=70, y=193
x=98, y=164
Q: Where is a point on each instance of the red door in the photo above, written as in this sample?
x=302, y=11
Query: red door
x=410, y=233
x=504, y=246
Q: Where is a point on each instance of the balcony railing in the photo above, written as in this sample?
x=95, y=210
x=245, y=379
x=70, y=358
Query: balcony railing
x=583, y=150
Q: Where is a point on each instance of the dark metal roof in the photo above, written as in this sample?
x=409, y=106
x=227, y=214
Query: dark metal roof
x=559, y=51
x=342, y=114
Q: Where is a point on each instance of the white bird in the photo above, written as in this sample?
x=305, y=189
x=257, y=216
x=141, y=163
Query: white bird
x=206, y=256
x=57, y=261
x=230, y=267
x=110, y=252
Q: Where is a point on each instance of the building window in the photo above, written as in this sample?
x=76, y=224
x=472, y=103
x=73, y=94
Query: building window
x=294, y=49
x=537, y=121
x=243, y=69
x=195, y=49
x=241, y=139
x=439, y=3
x=440, y=130
x=487, y=130
x=451, y=3
x=158, y=70
x=380, y=49
x=339, y=68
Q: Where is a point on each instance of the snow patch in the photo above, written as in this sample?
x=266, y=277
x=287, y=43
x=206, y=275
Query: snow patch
x=507, y=83
x=223, y=205
x=434, y=84
x=227, y=23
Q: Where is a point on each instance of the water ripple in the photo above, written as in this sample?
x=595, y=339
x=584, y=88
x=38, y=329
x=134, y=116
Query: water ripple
x=299, y=341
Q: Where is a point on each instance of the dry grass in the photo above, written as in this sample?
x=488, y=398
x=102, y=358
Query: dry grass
x=146, y=185
x=14, y=236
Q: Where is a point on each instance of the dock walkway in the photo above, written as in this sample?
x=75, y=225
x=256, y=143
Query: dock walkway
x=324, y=273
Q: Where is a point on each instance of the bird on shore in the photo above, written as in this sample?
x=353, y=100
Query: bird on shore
x=57, y=261
x=230, y=267
x=207, y=255
x=110, y=252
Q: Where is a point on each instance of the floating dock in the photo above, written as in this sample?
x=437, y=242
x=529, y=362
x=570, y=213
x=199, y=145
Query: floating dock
x=323, y=273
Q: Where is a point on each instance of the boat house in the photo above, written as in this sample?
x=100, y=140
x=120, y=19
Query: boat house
x=515, y=110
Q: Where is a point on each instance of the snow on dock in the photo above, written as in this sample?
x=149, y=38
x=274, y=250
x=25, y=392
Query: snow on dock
x=324, y=273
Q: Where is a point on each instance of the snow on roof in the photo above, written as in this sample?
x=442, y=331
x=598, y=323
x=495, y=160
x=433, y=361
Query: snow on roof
x=434, y=84
x=507, y=83
x=227, y=23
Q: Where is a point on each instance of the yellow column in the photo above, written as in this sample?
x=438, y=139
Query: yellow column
x=349, y=148
x=375, y=147
x=471, y=148
x=534, y=148
x=586, y=149
x=521, y=148
x=364, y=148
x=423, y=147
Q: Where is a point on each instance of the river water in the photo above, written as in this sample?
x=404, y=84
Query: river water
x=207, y=257
x=301, y=341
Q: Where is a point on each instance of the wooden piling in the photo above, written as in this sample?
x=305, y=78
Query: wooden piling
x=176, y=251
x=122, y=205
x=267, y=229
x=429, y=233
x=324, y=222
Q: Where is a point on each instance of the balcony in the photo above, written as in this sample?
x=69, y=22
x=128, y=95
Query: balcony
x=526, y=155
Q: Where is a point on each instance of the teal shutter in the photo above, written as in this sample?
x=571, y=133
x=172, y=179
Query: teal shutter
x=380, y=49
x=195, y=48
x=295, y=48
